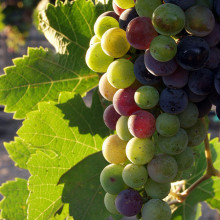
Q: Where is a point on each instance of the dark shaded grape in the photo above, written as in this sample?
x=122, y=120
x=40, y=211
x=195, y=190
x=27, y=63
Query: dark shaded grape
x=218, y=110
x=182, y=4
x=109, y=13
x=217, y=79
x=204, y=107
x=214, y=97
x=126, y=17
x=192, y=52
x=173, y=101
x=128, y=202
x=216, y=6
x=214, y=58
x=214, y=37
x=194, y=97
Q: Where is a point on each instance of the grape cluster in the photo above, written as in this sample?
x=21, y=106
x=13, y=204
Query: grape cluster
x=160, y=65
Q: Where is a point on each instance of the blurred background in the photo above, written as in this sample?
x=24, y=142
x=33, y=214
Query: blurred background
x=18, y=31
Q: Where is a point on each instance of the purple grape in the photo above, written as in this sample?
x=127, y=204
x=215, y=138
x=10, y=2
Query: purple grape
x=182, y=4
x=214, y=97
x=217, y=79
x=158, y=68
x=204, y=107
x=201, y=81
x=192, y=53
x=214, y=37
x=216, y=6
x=194, y=97
x=142, y=74
x=110, y=14
x=128, y=202
x=214, y=58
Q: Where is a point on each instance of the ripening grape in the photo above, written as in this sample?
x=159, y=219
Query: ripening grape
x=109, y=201
x=124, y=4
x=113, y=149
x=204, y=107
x=117, y=9
x=214, y=37
x=140, y=151
x=109, y=13
x=94, y=40
x=110, y=117
x=126, y=17
x=122, y=128
x=182, y=4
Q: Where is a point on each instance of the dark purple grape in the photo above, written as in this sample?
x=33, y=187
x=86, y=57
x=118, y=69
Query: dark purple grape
x=110, y=14
x=214, y=97
x=204, y=107
x=217, y=79
x=192, y=52
x=158, y=68
x=214, y=37
x=128, y=202
x=176, y=80
x=142, y=74
x=173, y=101
x=194, y=97
x=126, y=17
x=214, y=58
x=201, y=81
x=216, y=7
x=184, y=4
x=218, y=110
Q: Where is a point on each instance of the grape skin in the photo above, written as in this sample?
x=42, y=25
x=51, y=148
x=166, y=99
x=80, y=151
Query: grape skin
x=122, y=128
x=109, y=201
x=110, y=117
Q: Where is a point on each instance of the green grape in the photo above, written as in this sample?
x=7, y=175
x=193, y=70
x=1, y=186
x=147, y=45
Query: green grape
x=114, y=42
x=156, y=209
x=140, y=151
x=185, y=160
x=146, y=7
x=103, y=24
x=124, y=4
x=162, y=168
x=179, y=176
x=96, y=59
x=111, y=179
x=196, y=133
x=189, y=116
x=122, y=128
x=163, y=48
x=113, y=149
x=168, y=19
x=135, y=176
x=157, y=190
x=120, y=73
x=94, y=40
x=109, y=201
x=173, y=145
x=167, y=125
x=146, y=97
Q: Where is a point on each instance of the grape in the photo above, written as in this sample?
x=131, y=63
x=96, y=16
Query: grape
x=140, y=151
x=128, y=202
x=124, y=4
x=142, y=74
x=214, y=37
x=218, y=110
x=204, y=107
x=146, y=97
x=96, y=59
x=102, y=24
x=146, y=7
x=163, y=48
x=199, y=21
x=135, y=176
x=162, y=168
x=182, y=4
x=206, y=3
x=214, y=58
x=194, y=97
x=142, y=124
x=185, y=160
x=158, y=68
x=201, y=81
x=109, y=13
x=122, y=128
x=140, y=32
x=178, y=79
x=179, y=176
x=117, y=9
x=120, y=73
x=114, y=42
x=192, y=53
x=173, y=101
x=167, y=125
x=214, y=97
x=157, y=190
x=113, y=149
x=126, y=17
x=94, y=40
x=196, y=134
x=111, y=179
x=217, y=80
x=216, y=7
x=109, y=201
x=110, y=117
x=106, y=89
x=189, y=116
x=124, y=103
x=156, y=209
x=168, y=19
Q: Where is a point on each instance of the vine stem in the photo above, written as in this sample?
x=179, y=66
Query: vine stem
x=210, y=171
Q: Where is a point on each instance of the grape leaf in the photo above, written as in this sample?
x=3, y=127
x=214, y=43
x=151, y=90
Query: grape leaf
x=71, y=131
x=14, y=206
x=207, y=191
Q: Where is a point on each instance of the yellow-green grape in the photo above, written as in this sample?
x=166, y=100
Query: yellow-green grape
x=122, y=129
x=120, y=73
x=109, y=201
x=140, y=151
x=106, y=89
x=113, y=149
x=96, y=59
x=94, y=40
x=114, y=42
x=102, y=24
x=124, y=4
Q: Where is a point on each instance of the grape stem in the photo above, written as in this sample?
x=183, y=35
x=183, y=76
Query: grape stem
x=210, y=171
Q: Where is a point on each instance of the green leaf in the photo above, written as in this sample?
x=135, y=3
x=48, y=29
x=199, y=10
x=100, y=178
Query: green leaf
x=14, y=206
x=207, y=191
x=71, y=131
